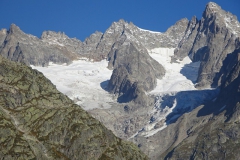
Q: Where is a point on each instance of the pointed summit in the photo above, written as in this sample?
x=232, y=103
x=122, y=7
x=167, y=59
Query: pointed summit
x=212, y=5
x=210, y=9
x=221, y=17
x=14, y=28
x=122, y=21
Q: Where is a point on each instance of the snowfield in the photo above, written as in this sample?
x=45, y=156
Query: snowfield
x=82, y=81
x=176, y=78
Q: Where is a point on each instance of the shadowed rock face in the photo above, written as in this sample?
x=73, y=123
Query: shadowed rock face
x=209, y=40
x=218, y=135
x=38, y=122
x=135, y=72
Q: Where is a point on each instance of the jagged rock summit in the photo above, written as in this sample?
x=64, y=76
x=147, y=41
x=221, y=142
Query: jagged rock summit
x=209, y=40
x=26, y=48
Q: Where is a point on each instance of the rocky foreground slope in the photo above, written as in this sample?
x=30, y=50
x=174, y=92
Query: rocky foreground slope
x=39, y=122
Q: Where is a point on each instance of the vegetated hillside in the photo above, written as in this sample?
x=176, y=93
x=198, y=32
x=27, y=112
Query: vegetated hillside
x=39, y=122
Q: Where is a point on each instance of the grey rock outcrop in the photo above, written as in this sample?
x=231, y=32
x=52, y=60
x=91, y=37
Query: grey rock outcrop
x=90, y=45
x=228, y=64
x=168, y=39
x=3, y=34
x=61, y=39
x=187, y=41
x=135, y=72
x=209, y=40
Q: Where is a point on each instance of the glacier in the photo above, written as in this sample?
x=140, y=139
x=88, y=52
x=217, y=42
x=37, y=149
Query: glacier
x=85, y=82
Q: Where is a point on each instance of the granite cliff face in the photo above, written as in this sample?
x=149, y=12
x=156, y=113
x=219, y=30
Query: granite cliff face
x=209, y=40
x=134, y=70
x=39, y=122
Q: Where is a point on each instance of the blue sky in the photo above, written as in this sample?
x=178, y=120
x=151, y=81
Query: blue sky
x=80, y=18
